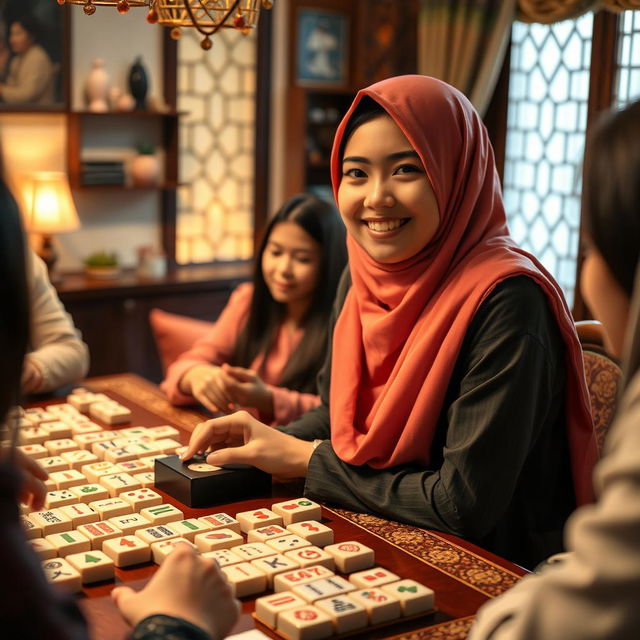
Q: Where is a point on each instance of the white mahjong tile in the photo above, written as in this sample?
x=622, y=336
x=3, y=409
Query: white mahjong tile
x=297, y=510
x=128, y=441
x=380, y=605
x=266, y=533
x=307, y=556
x=89, y=492
x=34, y=451
x=98, y=532
x=324, y=588
x=38, y=415
x=120, y=454
x=130, y=522
x=62, y=408
x=273, y=565
x=119, y=482
x=290, y=579
x=146, y=479
x=141, y=498
x=81, y=401
x=32, y=435
x=374, y=577
x=49, y=484
x=164, y=431
x=315, y=532
x=80, y=513
x=31, y=529
x=221, y=521
x=145, y=450
x=68, y=478
x=223, y=557
x=414, y=597
x=305, y=623
x=166, y=445
x=156, y=533
x=68, y=542
x=50, y=521
x=127, y=550
x=57, y=429
x=162, y=513
x=151, y=459
x=111, y=507
x=268, y=607
x=87, y=440
x=189, y=528
x=218, y=539
x=110, y=412
x=93, y=566
x=245, y=579
x=287, y=543
x=100, y=448
x=180, y=450
x=78, y=458
x=56, y=499
x=84, y=425
x=60, y=573
x=132, y=466
x=135, y=432
x=347, y=614
x=351, y=556
x=96, y=470
x=53, y=463
x=43, y=548
x=60, y=445
x=257, y=518
x=160, y=550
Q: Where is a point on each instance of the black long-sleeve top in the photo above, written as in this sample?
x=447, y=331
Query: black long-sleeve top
x=500, y=473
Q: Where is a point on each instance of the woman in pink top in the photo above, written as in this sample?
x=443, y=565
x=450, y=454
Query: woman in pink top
x=268, y=344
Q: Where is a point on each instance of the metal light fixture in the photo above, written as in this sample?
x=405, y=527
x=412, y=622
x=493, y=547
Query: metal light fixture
x=207, y=16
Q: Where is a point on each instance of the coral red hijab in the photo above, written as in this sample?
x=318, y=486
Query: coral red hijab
x=392, y=362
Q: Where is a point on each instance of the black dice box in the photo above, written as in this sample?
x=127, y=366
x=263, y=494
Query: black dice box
x=207, y=488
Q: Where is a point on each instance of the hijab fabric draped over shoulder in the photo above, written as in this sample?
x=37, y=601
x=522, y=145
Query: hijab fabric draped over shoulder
x=402, y=325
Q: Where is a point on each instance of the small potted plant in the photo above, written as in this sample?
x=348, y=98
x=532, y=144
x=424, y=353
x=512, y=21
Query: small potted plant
x=102, y=265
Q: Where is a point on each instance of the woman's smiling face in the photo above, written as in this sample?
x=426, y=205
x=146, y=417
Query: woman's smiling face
x=385, y=198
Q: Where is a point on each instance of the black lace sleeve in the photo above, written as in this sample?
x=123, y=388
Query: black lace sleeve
x=159, y=627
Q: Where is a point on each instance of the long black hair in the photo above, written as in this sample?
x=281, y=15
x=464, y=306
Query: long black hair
x=14, y=314
x=321, y=221
x=367, y=109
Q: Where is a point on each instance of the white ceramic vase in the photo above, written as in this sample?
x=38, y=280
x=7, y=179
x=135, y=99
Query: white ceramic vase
x=97, y=87
x=145, y=170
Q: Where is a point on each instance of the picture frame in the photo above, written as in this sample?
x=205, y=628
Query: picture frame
x=34, y=56
x=322, y=58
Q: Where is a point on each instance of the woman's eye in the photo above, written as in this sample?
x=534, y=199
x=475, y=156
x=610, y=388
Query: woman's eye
x=355, y=173
x=407, y=168
x=274, y=253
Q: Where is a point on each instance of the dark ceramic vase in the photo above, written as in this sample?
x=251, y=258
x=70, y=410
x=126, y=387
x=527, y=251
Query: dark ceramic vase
x=138, y=83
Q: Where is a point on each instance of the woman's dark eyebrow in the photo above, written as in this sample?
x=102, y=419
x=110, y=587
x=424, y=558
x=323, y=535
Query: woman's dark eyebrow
x=399, y=155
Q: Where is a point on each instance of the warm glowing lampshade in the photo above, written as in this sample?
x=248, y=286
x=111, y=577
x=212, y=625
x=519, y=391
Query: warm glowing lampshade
x=48, y=204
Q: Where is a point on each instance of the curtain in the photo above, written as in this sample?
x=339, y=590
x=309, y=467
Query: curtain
x=550, y=11
x=620, y=5
x=463, y=42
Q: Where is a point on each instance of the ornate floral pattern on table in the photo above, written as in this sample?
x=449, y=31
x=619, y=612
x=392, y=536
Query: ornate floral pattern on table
x=452, y=630
x=464, y=565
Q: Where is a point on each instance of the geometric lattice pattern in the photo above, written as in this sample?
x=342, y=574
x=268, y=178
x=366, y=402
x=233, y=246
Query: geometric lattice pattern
x=627, y=86
x=217, y=90
x=548, y=92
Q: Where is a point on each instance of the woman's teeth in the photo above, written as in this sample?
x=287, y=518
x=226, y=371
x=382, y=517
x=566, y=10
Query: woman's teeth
x=385, y=225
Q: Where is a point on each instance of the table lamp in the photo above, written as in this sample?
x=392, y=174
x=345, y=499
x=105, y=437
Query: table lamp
x=48, y=209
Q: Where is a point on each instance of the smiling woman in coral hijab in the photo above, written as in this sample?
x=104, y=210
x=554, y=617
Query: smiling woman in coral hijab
x=453, y=395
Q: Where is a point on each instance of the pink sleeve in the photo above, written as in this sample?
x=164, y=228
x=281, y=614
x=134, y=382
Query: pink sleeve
x=214, y=348
x=289, y=405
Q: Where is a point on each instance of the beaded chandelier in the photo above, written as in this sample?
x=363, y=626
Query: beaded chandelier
x=207, y=16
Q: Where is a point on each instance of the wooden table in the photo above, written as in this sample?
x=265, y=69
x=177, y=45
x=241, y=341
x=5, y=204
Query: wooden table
x=462, y=575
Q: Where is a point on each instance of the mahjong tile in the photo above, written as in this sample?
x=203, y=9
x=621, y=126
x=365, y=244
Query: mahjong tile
x=98, y=532
x=146, y=479
x=297, y=510
x=53, y=463
x=84, y=425
x=32, y=435
x=166, y=445
x=68, y=478
x=132, y=466
x=141, y=498
x=130, y=522
x=269, y=607
x=60, y=573
x=414, y=597
x=189, y=528
x=60, y=445
x=56, y=499
x=119, y=482
x=97, y=470
x=375, y=577
x=162, y=513
x=87, y=440
x=156, y=533
x=50, y=521
x=89, y=492
x=43, y=548
x=93, y=566
x=127, y=550
x=221, y=521
x=160, y=550
x=290, y=579
x=111, y=507
x=287, y=543
x=34, y=451
x=80, y=513
x=273, y=565
x=218, y=539
x=245, y=579
x=305, y=623
x=351, y=556
x=347, y=614
x=68, y=542
x=100, y=448
x=380, y=605
x=307, y=556
x=266, y=533
x=151, y=459
x=136, y=432
x=145, y=450
x=78, y=458
x=324, y=588
x=223, y=557
x=31, y=530
x=164, y=431
x=315, y=532
x=254, y=550
x=257, y=518
x=57, y=429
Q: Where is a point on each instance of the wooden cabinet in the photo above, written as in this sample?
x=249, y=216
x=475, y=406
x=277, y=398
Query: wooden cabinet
x=114, y=316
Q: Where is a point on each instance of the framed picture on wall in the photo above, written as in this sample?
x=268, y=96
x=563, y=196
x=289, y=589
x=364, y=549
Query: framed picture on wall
x=322, y=48
x=34, y=55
